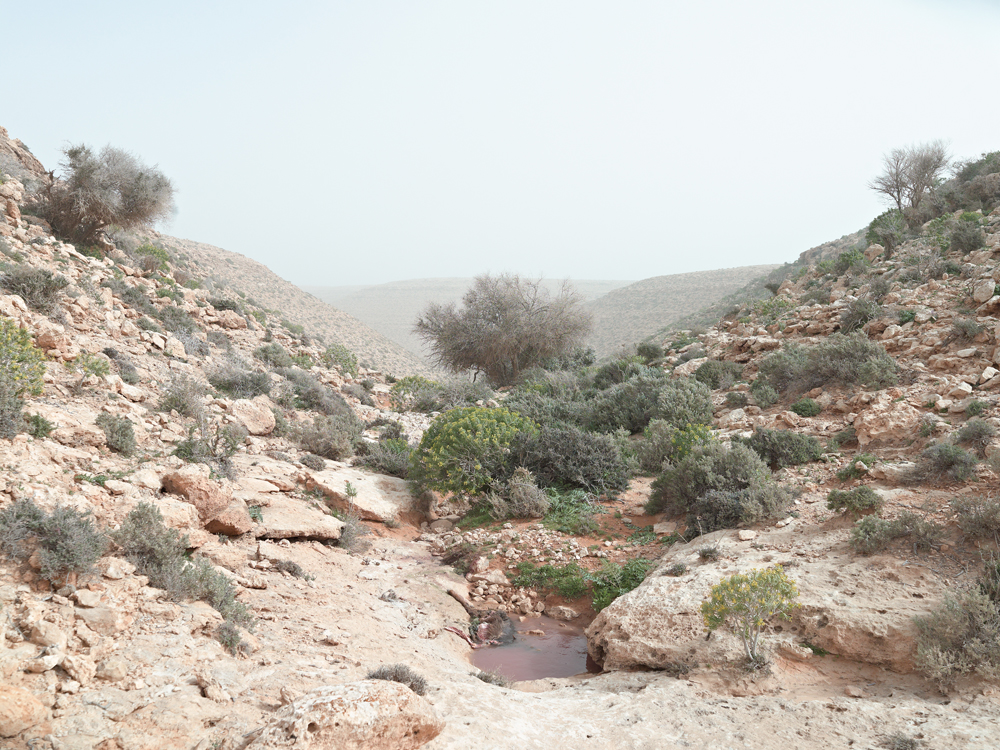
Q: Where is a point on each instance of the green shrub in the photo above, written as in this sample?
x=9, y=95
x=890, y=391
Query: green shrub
x=613, y=580
x=888, y=230
x=126, y=370
x=399, y=673
x=855, y=501
x=38, y=426
x=405, y=391
x=780, y=448
x=183, y=395
x=976, y=407
x=967, y=236
x=907, y=316
x=119, y=434
x=219, y=339
x=850, y=260
x=236, y=382
x=207, y=442
x=314, y=462
x=175, y=320
x=569, y=581
x=570, y=457
x=738, y=399
x=872, y=534
x=719, y=487
x=621, y=369
x=857, y=313
x=806, y=407
x=850, y=359
x=945, y=459
x=147, y=324
x=66, y=540
x=158, y=256
x=273, y=355
x=960, y=637
x=649, y=351
x=333, y=436
x=309, y=393
x=966, y=328
x=718, y=374
x=38, y=287
x=572, y=512
x=556, y=410
x=853, y=470
x=492, y=677
x=91, y=364
x=629, y=405
x=520, y=498
x=747, y=601
x=815, y=297
x=342, y=358
x=763, y=394
x=390, y=457
x=683, y=402
x=22, y=366
x=978, y=517
x=465, y=447
x=976, y=432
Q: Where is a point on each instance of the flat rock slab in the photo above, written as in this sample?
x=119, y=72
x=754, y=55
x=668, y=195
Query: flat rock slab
x=365, y=715
x=380, y=497
x=287, y=518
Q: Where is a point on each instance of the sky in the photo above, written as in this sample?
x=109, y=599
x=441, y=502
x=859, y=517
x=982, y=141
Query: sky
x=364, y=142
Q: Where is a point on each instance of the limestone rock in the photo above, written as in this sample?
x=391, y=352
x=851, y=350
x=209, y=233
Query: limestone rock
x=49, y=634
x=233, y=521
x=19, y=710
x=366, y=715
x=380, y=498
x=231, y=319
x=287, y=518
x=255, y=415
x=562, y=613
x=101, y=620
x=887, y=420
x=208, y=496
x=982, y=291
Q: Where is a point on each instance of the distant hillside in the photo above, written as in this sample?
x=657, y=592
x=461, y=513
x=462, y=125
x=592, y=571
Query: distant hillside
x=261, y=284
x=391, y=308
x=634, y=312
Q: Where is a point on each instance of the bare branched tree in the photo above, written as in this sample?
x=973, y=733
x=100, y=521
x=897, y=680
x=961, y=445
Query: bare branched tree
x=97, y=191
x=911, y=173
x=505, y=326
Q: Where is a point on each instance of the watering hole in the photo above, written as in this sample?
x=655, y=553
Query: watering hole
x=560, y=652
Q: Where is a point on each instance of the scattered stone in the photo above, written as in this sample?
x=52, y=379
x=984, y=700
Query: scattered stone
x=19, y=710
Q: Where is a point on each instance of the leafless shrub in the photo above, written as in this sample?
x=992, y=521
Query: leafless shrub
x=910, y=173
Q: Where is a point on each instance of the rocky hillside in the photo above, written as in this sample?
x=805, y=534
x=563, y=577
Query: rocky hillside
x=187, y=560
x=391, y=309
x=633, y=313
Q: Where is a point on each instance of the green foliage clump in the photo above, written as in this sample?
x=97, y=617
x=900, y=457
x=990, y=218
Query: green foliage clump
x=737, y=399
x=718, y=374
x=274, y=355
x=846, y=359
x=976, y=432
x=238, y=382
x=718, y=487
x=211, y=443
x=613, y=580
x=314, y=462
x=872, y=534
x=119, y=434
x=569, y=581
x=888, y=230
x=306, y=392
x=405, y=391
x=649, y=351
x=390, y=457
x=38, y=287
x=520, y=498
x=806, y=407
x=183, y=395
x=853, y=470
x=763, y=394
x=464, y=448
x=339, y=356
x=683, y=402
x=780, y=448
x=22, y=365
x=747, y=601
x=333, y=436
x=92, y=364
x=664, y=442
x=570, y=457
x=67, y=541
x=572, y=512
x=978, y=516
x=399, y=673
x=628, y=405
x=966, y=328
x=855, y=501
x=850, y=260
x=967, y=235
x=859, y=312
x=38, y=426
x=945, y=459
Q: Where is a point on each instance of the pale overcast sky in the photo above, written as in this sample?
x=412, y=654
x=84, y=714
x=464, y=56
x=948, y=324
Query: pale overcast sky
x=363, y=142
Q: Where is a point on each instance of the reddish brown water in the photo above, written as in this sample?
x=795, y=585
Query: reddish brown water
x=561, y=652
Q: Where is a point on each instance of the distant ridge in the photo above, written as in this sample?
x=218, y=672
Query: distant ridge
x=632, y=313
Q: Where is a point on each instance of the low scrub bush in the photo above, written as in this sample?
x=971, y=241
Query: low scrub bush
x=569, y=581
x=237, y=382
x=390, y=457
x=806, y=407
x=66, y=540
x=330, y=436
x=38, y=287
x=193, y=346
x=857, y=467
x=38, y=426
x=976, y=407
x=119, y=434
x=465, y=448
x=314, y=462
x=737, y=399
x=960, y=637
x=763, y=394
x=967, y=236
x=855, y=501
x=966, y=329
x=664, y=442
x=718, y=374
x=570, y=457
x=175, y=320
x=946, y=460
x=683, y=402
x=888, y=230
x=339, y=356
x=308, y=393
x=846, y=359
x=859, y=312
x=574, y=512
x=613, y=580
x=629, y=405
x=719, y=487
x=619, y=370
x=126, y=370
x=780, y=448
x=92, y=364
x=399, y=673
x=184, y=395
x=976, y=432
x=649, y=351
x=211, y=442
x=273, y=355
x=220, y=339
x=22, y=365
x=978, y=517
x=872, y=534
x=519, y=498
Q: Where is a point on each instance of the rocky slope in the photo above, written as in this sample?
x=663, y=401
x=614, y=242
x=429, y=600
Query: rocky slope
x=105, y=660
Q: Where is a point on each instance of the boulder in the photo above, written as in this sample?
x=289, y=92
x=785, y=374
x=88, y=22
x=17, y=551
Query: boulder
x=255, y=415
x=380, y=498
x=366, y=715
x=231, y=319
x=287, y=518
x=233, y=521
x=887, y=420
x=19, y=710
x=205, y=494
x=982, y=291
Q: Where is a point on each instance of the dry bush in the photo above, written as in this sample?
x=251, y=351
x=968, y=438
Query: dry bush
x=399, y=673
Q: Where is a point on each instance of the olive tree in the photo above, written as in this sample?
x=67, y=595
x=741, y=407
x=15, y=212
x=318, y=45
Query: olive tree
x=908, y=174
x=504, y=326
x=99, y=190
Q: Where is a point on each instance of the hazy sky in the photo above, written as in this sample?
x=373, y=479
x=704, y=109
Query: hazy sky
x=363, y=142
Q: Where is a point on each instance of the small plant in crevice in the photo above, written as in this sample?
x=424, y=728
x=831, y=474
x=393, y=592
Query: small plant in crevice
x=66, y=540
x=399, y=673
x=119, y=434
x=855, y=501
